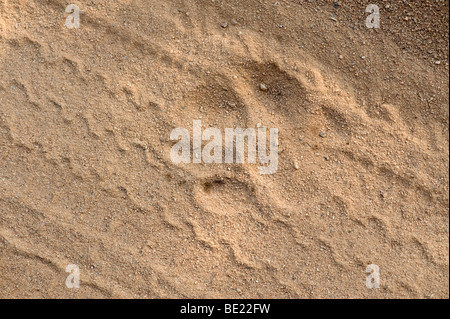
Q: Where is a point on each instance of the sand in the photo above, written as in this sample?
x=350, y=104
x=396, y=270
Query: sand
x=86, y=176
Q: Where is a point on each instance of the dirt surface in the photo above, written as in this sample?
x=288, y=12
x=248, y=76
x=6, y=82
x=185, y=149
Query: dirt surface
x=86, y=176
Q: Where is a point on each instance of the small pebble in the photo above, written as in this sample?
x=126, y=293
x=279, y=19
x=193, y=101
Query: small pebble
x=323, y=134
x=224, y=25
x=263, y=87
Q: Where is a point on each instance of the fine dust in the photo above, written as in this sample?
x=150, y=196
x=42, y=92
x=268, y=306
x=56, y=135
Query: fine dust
x=86, y=176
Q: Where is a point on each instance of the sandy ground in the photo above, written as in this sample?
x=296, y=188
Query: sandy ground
x=86, y=176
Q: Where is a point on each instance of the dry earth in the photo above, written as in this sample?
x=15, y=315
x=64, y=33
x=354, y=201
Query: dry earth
x=86, y=176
